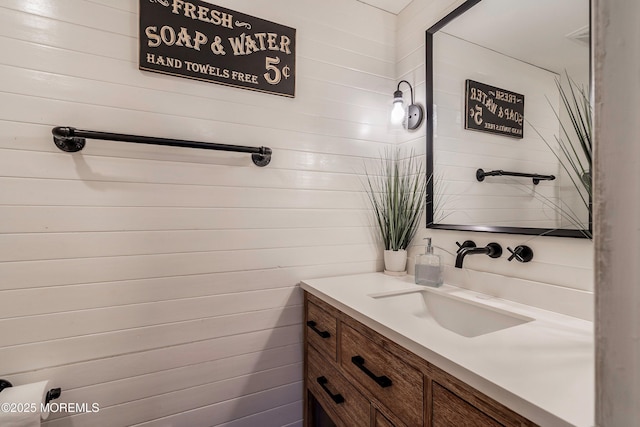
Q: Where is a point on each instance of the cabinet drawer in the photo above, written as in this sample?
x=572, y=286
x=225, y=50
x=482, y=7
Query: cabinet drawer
x=395, y=384
x=449, y=410
x=321, y=330
x=381, y=421
x=334, y=392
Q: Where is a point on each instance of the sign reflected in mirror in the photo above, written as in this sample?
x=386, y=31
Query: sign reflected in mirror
x=525, y=47
x=494, y=110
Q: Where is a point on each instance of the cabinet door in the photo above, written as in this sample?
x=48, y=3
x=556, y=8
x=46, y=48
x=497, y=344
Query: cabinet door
x=316, y=415
x=449, y=410
x=381, y=421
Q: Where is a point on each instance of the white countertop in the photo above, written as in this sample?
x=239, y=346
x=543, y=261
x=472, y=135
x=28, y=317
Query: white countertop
x=543, y=369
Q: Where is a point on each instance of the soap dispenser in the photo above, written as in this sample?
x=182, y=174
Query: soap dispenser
x=429, y=267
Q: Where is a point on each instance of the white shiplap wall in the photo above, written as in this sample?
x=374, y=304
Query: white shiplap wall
x=160, y=282
x=561, y=275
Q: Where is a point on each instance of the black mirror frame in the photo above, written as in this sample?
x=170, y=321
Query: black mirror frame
x=558, y=232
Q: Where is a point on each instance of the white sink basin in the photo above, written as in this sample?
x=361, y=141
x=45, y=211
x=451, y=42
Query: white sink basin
x=464, y=317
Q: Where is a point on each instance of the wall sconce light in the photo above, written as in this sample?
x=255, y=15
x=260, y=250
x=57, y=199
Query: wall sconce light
x=412, y=117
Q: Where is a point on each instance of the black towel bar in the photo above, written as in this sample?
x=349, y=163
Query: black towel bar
x=71, y=140
x=480, y=174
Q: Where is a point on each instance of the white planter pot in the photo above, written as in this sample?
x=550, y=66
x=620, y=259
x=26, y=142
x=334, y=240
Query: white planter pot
x=395, y=261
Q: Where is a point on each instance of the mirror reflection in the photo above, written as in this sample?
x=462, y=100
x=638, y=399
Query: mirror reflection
x=483, y=63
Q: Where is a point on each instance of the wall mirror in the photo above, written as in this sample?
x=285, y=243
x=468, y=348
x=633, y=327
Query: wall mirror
x=514, y=47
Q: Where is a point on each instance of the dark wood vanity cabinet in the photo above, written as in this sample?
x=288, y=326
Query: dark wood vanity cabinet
x=355, y=377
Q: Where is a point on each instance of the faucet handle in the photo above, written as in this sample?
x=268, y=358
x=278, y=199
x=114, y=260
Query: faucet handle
x=465, y=244
x=522, y=253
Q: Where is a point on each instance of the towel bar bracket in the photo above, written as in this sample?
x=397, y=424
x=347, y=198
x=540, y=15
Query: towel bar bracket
x=261, y=159
x=69, y=144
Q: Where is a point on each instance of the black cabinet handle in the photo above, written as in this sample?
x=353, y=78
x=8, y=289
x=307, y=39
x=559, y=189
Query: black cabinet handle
x=383, y=381
x=336, y=397
x=323, y=334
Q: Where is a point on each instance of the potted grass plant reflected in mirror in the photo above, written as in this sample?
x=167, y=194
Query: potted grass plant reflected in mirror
x=573, y=148
x=396, y=188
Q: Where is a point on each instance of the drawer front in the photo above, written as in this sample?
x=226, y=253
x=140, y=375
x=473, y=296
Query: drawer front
x=321, y=330
x=449, y=410
x=396, y=385
x=381, y=421
x=335, y=393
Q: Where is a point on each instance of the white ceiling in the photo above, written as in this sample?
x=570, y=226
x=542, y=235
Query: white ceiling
x=393, y=6
x=536, y=31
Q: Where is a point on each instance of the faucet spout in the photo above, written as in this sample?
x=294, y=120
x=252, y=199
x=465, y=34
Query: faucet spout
x=494, y=250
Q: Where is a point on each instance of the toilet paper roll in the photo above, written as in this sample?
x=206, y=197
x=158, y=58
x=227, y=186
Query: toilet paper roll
x=24, y=405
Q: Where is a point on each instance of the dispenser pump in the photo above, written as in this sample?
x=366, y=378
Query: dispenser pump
x=428, y=249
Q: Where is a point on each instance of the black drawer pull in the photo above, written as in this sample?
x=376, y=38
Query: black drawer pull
x=336, y=397
x=323, y=334
x=383, y=381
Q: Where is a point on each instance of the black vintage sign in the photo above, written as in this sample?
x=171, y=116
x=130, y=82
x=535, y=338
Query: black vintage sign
x=494, y=110
x=203, y=41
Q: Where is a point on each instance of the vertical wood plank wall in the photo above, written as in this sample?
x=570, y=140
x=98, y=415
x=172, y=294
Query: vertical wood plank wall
x=160, y=282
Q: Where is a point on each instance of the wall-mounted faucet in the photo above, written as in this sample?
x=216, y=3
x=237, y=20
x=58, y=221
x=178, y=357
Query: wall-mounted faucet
x=494, y=250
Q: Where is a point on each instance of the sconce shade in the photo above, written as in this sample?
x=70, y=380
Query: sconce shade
x=397, y=113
